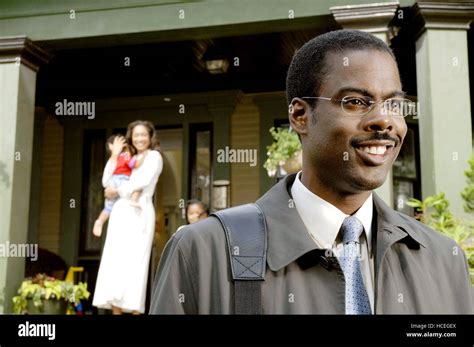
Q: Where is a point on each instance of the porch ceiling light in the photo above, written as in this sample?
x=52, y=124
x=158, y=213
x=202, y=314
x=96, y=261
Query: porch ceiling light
x=217, y=66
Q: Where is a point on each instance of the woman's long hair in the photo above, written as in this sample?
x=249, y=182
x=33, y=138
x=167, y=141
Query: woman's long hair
x=154, y=142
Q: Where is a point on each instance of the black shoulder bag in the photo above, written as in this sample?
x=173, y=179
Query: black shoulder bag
x=246, y=234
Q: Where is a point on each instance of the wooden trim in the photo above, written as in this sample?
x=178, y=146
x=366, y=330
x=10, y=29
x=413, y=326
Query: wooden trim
x=221, y=116
x=212, y=98
x=373, y=18
x=29, y=53
x=442, y=15
x=108, y=23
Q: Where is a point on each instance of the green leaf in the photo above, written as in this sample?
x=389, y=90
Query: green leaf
x=286, y=143
x=46, y=288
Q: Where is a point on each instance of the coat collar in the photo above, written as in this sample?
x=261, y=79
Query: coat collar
x=398, y=223
x=393, y=227
x=288, y=238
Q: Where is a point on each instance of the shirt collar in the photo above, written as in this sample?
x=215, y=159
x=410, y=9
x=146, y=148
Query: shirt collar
x=324, y=220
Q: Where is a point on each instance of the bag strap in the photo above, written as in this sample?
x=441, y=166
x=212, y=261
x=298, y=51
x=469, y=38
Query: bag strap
x=246, y=235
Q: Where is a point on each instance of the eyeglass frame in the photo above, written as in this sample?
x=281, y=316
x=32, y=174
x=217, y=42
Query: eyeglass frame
x=372, y=103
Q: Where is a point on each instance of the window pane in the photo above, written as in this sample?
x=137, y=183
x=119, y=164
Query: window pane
x=201, y=178
x=405, y=165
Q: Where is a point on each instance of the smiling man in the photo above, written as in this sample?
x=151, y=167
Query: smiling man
x=332, y=245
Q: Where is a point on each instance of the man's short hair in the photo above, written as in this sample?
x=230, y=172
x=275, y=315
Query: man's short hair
x=309, y=67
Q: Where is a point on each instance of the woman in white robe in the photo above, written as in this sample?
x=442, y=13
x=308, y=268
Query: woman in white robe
x=123, y=273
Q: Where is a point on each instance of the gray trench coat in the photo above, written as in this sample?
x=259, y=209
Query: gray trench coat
x=417, y=270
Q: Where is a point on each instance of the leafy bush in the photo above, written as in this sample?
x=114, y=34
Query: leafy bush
x=286, y=143
x=468, y=192
x=434, y=212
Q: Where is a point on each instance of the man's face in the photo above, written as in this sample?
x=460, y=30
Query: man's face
x=337, y=145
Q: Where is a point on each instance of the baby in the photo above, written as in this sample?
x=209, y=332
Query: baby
x=125, y=164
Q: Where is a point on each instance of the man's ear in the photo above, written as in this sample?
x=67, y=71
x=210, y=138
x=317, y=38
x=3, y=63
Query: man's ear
x=299, y=113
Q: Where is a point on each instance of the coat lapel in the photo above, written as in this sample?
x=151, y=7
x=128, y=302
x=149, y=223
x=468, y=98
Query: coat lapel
x=288, y=238
x=392, y=227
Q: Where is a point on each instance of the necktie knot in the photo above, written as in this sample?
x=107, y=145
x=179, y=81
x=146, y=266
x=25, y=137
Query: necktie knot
x=351, y=229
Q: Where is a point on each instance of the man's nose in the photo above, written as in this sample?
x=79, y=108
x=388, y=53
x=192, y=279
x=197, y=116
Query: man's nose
x=378, y=119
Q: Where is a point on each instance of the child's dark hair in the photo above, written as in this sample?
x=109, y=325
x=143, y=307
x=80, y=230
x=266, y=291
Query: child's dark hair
x=110, y=141
x=196, y=202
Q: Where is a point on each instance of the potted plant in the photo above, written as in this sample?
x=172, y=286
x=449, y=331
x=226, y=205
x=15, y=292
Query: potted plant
x=48, y=295
x=285, y=152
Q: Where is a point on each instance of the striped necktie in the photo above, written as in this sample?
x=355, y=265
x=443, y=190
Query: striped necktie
x=357, y=300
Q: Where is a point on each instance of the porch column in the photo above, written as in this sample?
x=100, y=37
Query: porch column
x=221, y=115
x=221, y=110
x=375, y=19
x=442, y=75
x=19, y=62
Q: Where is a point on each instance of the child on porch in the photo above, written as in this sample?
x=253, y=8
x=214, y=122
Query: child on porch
x=196, y=210
x=126, y=162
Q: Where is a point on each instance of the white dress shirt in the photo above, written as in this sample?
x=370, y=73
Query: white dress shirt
x=323, y=222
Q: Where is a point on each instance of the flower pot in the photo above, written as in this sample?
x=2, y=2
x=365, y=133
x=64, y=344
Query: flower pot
x=49, y=307
x=294, y=163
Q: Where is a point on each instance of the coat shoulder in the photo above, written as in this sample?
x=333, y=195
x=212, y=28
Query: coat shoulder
x=205, y=233
x=427, y=236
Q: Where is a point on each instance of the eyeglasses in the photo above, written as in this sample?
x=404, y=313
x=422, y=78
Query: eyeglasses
x=360, y=106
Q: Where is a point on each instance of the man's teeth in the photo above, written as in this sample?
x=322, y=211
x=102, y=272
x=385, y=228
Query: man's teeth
x=374, y=149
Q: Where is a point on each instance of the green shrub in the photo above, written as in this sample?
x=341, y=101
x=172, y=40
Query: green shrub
x=434, y=212
x=468, y=192
x=285, y=144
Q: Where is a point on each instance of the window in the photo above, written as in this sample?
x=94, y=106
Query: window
x=200, y=159
x=406, y=183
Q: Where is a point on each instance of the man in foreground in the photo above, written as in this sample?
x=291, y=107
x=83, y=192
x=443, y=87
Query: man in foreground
x=333, y=246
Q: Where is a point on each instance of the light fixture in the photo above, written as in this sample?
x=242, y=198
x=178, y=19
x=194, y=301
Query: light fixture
x=216, y=59
x=217, y=66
